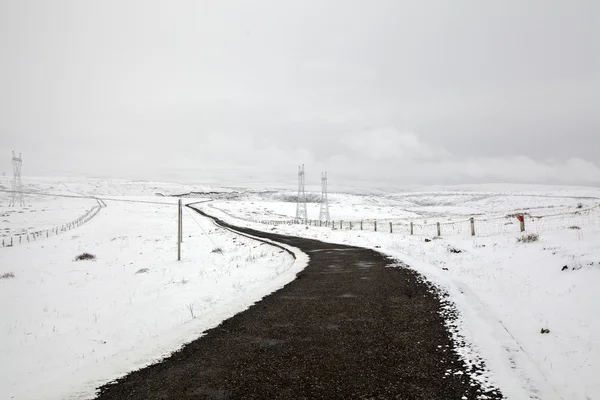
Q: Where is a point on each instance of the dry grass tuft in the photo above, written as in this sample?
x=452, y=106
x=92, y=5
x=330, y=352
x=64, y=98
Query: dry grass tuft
x=85, y=256
x=532, y=237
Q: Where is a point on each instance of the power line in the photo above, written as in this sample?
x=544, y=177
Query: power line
x=200, y=226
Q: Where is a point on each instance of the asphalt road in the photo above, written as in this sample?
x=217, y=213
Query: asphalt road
x=349, y=327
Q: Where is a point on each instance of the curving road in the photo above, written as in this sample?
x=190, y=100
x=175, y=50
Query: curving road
x=349, y=327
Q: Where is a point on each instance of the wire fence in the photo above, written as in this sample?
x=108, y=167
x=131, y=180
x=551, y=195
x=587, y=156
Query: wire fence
x=38, y=235
x=508, y=224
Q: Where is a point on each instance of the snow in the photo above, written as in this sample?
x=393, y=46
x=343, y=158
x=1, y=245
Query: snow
x=93, y=321
x=504, y=291
x=44, y=213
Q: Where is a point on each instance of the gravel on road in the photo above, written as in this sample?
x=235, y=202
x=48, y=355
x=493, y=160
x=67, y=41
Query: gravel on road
x=354, y=324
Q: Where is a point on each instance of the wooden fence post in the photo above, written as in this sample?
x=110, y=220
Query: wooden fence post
x=361, y=225
x=341, y=225
x=438, y=229
x=375, y=226
x=521, y=219
x=391, y=230
x=179, y=230
x=523, y=225
x=411, y=228
x=472, y=226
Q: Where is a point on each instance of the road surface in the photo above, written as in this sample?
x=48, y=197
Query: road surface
x=350, y=326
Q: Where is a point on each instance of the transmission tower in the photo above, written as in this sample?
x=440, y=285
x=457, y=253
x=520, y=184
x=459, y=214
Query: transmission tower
x=301, y=202
x=324, y=212
x=17, y=187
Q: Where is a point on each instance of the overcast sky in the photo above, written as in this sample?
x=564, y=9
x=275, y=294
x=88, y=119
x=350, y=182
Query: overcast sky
x=393, y=92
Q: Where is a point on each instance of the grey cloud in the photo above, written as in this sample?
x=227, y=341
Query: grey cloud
x=462, y=91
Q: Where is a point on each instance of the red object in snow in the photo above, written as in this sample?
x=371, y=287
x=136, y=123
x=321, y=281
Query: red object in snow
x=520, y=218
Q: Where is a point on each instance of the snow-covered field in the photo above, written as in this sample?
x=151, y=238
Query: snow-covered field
x=505, y=291
x=42, y=213
x=426, y=206
x=68, y=326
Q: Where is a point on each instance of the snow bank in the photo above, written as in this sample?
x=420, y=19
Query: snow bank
x=505, y=292
x=69, y=326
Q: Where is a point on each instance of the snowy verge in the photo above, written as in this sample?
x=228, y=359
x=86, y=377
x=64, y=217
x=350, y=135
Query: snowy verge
x=505, y=292
x=67, y=327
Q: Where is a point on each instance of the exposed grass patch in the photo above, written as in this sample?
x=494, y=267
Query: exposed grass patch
x=530, y=238
x=7, y=275
x=190, y=308
x=142, y=271
x=514, y=215
x=85, y=256
x=217, y=250
x=575, y=227
x=454, y=250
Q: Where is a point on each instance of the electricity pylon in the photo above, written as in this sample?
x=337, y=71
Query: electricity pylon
x=17, y=186
x=324, y=211
x=301, y=201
